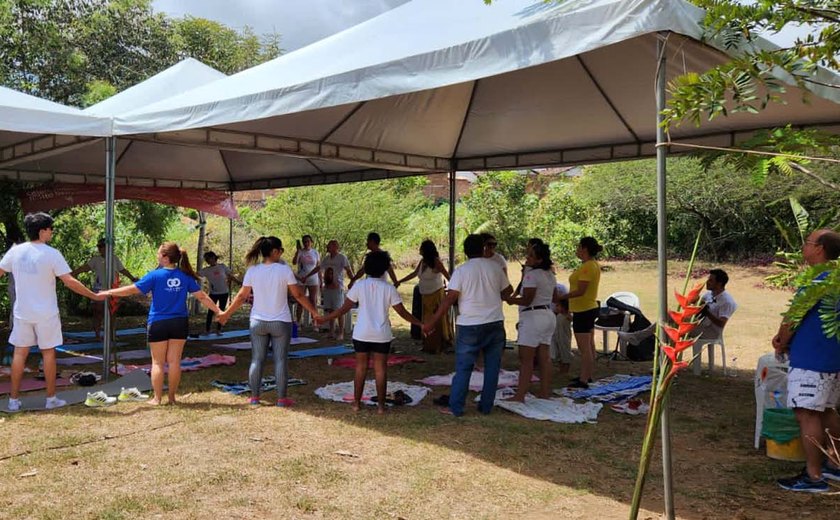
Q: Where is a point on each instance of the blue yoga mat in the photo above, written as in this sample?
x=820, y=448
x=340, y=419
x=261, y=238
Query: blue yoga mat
x=336, y=350
x=227, y=334
x=78, y=347
x=90, y=335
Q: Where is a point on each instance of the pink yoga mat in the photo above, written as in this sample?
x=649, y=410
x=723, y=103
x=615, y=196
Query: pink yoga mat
x=187, y=364
x=32, y=384
x=350, y=361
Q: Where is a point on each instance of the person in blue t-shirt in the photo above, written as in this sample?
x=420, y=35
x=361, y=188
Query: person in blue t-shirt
x=814, y=377
x=168, y=316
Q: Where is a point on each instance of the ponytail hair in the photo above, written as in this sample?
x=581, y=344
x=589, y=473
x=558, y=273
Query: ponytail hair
x=178, y=256
x=262, y=247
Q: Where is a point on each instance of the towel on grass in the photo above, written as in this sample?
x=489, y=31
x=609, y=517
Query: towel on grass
x=343, y=392
x=246, y=345
x=27, y=385
x=506, y=378
x=609, y=389
x=225, y=334
x=242, y=387
x=396, y=359
x=187, y=364
x=558, y=409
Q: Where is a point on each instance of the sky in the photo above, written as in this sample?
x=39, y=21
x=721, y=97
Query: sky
x=298, y=22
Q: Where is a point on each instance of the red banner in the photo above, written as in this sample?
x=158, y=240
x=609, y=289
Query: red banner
x=58, y=196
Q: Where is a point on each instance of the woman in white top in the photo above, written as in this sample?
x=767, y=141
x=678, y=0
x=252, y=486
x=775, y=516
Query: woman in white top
x=431, y=273
x=271, y=320
x=372, y=333
x=308, y=262
x=536, y=319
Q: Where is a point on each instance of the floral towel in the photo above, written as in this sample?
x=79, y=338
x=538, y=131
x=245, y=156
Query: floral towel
x=614, y=388
x=558, y=409
x=506, y=378
x=343, y=392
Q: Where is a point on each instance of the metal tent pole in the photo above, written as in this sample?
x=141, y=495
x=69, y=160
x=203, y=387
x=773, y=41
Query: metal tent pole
x=661, y=229
x=110, y=181
x=452, y=221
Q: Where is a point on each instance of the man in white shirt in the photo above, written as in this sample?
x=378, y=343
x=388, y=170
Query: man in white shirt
x=478, y=286
x=35, y=266
x=720, y=306
x=334, y=265
x=97, y=265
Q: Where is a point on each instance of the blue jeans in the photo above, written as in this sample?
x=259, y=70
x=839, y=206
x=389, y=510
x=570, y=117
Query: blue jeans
x=469, y=341
x=279, y=333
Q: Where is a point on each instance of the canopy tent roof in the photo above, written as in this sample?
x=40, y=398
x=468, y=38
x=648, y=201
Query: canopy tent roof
x=23, y=117
x=435, y=85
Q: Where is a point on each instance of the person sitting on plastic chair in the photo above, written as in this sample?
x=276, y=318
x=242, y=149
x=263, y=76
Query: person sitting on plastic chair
x=720, y=306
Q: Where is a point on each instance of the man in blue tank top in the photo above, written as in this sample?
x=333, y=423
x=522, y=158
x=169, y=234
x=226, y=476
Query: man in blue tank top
x=814, y=377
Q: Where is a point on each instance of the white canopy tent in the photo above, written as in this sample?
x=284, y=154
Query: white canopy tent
x=436, y=85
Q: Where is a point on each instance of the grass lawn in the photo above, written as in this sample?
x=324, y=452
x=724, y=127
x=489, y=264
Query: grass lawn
x=213, y=457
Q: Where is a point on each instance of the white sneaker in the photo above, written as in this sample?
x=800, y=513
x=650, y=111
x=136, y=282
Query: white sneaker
x=55, y=402
x=13, y=406
x=131, y=394
x=98, y=399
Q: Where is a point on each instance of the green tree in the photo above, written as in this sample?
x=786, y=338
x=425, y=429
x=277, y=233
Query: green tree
x=499, y=203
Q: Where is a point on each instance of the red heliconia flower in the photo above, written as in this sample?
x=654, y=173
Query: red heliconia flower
x=679, y=346
x=672, y=333
x=690, y=297
x=685, y=328
x=670, y=352
x=691, y=310
x=678, y=365
x=677, y=317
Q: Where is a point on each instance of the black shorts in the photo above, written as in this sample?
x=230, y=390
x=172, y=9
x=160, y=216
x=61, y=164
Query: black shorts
x=173, y=328
x=583, y=322
x=364, y=347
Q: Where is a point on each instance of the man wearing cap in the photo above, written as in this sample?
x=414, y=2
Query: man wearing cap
x=96, y=264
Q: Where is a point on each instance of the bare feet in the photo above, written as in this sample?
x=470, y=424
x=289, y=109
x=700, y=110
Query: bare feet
x=153, y=401
x=172, y=400
x=380, y=410
x=357, y=407
x=515, y=399
x=446, y=411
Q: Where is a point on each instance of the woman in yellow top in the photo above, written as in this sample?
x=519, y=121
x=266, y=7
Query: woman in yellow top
x=583, y=304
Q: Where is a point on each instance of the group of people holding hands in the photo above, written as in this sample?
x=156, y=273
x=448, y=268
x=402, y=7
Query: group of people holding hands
x=478, y=286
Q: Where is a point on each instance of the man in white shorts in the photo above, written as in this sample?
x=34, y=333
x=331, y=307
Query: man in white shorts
x=35, y=266
x=814, y=377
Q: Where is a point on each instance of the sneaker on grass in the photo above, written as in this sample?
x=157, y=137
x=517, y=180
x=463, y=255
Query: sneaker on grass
x=131, y=394
x=803, y=483
x=830, y=472
x=13, y=406
x=54, y=402
x=99, y=399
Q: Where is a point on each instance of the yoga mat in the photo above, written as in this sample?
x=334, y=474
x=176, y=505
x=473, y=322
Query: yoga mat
x=187, y=364
x=228, y=334
x=89, y=359
x=76, y=347
x=246, y=345
x=88, y=334
x=397, y=359
x=506, y=378
x=137, y=378
x=243, y=387
x=27, y=385
x=336, y=350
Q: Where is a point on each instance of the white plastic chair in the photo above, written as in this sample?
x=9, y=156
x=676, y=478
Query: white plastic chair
x=627, y=298
x=697, y=365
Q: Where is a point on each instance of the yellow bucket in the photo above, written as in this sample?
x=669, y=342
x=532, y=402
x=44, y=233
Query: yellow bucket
x=791, y=451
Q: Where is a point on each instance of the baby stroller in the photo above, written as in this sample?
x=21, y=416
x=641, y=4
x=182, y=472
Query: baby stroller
x=640, y=336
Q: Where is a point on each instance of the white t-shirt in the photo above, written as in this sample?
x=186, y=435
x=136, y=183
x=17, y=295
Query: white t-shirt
x=338, y=263
x=35, y=267
x=97, y=265
x=722, y=306
x=562, y=290
x=544, y=281
x=269, y=283
x=480, y=283
x=375, y=297
x=306, y=262
x=500, y=260
x=217, y=277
